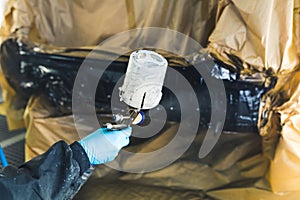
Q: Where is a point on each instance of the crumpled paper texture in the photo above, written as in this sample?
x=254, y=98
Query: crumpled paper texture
x=263, y=36
x=253, y=37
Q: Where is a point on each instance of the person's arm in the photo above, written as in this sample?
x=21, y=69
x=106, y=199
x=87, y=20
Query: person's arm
x=56, y=174
x=62, y=170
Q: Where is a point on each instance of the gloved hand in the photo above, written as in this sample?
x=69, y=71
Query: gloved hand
x=103, y=146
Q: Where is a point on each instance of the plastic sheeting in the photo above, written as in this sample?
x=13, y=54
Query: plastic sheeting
x=34, y=70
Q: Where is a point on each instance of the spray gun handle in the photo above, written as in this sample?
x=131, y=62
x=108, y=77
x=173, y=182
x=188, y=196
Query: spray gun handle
x=136, y=117
x=112, y=127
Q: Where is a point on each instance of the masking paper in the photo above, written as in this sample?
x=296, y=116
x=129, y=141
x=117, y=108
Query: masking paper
x=263, y=37
x=258, y=38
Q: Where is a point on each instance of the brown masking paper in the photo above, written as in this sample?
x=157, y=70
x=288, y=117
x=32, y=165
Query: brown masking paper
x=259, y=33
x=79, y=24
x=254, y=37
x=263, y=36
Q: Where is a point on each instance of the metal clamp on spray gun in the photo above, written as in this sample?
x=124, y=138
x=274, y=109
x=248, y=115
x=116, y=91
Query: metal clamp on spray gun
x=141, y=88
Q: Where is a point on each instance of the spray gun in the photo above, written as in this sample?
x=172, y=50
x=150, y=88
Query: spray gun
x=141, y=88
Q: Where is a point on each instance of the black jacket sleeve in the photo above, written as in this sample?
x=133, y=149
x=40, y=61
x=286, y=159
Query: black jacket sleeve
x=57, y=174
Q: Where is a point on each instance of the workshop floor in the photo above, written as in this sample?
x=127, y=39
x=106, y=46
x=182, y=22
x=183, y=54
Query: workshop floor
x=12, y=143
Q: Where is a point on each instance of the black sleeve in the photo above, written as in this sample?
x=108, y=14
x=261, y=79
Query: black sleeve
x=57, y=174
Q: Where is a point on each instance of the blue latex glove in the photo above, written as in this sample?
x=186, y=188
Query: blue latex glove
x=103, y=146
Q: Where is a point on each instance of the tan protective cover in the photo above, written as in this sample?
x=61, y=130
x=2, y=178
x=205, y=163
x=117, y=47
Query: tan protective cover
x=86, y=23
x=236, y=165
x=253, y=36
x=237, y=157
x=263, y=36
x=260, y=33
x=285, y=167
x=14, y=115
x=43, y=130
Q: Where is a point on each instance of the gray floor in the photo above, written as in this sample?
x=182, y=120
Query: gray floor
x=12, y=143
